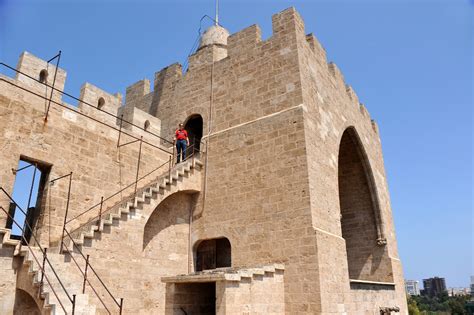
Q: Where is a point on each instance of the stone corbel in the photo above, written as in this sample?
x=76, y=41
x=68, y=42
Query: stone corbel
x=381, y=241
x=389, y=310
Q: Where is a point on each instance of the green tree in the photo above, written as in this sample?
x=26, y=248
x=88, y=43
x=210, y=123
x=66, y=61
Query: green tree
x=412, y=306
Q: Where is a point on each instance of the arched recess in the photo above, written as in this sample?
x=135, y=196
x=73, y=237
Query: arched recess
x=25, y=304
x=361, y=223
x=167, y=228
x=43, y=76
x=212, y=253
x=193, y=126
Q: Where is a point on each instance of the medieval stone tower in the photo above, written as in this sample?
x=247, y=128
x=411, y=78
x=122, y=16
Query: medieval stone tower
x=281, y=206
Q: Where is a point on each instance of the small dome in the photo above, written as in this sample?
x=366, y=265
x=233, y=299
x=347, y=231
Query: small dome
x=214, y=35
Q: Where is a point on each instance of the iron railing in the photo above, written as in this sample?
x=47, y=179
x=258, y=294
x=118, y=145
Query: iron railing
x=45, y=261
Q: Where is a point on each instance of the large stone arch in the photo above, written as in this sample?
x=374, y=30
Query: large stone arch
x=169, y=221
x=361, y=219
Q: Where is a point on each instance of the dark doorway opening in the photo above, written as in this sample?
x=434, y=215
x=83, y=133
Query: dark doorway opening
x=212, y=254
x=28, y=192
x=194, y=128
x=195, y=298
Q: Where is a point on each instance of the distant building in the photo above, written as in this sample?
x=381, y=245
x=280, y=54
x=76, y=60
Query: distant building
x=434, y=286
x=412, y=287
x=459, y=291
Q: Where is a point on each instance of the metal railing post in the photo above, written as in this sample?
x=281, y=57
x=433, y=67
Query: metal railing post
x=138, y=165
x=120, y=130
x=121, y=306
x=52, y=86
x=43, y=268
x=73, y=303
x=85, y=275
x=65, y=215
x=100, y=210
x=174, y=150
x=169, y=170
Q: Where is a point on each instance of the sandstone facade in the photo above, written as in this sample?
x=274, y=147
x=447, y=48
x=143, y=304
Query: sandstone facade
x=290, y=173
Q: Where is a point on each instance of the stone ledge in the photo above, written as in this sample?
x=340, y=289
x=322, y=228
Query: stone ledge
x=223, y=274
x=355, y=281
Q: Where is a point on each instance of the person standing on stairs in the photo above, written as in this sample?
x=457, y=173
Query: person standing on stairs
x=182, y=141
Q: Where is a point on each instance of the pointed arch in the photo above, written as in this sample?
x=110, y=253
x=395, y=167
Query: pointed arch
x=361, y=220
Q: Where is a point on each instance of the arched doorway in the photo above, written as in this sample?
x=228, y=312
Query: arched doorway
x=193, y=126
x=213, y=253
x=367, y=260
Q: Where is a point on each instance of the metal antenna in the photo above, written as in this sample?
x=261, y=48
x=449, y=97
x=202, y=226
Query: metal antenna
x=217, y=13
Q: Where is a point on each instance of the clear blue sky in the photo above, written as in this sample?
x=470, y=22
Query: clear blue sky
x=410, y=62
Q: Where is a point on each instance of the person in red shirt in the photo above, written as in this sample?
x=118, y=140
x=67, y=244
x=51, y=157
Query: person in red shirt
x=182, y=141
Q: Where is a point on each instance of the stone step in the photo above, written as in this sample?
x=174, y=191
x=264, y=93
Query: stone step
x=152, y=192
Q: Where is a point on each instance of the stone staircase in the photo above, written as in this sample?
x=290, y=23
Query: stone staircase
x=29, y=273
x=152, y=194
x=29, y=279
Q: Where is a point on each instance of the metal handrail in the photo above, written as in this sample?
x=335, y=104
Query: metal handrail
x=46, y=259
x=42, y=267
x=115, y=194
x=125, y=188
x=85, y=275
x=95, y=273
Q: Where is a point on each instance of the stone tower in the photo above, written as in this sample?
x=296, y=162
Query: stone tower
x=281, y=208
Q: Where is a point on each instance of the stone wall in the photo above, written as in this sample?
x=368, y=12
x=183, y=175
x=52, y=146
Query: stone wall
x=331, y=107
x=69, y=142
x=257, y=192
x=8, y=279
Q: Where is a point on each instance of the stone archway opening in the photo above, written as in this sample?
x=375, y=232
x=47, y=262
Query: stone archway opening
x=213, y=253
x=367, y=259
x=193, y=126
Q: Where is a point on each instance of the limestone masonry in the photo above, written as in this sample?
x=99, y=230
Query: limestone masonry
x=281, y=207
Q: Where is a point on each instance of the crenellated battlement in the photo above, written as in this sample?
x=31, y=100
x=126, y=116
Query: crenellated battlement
x=317, y=48
x=243, y=47
x=103, y=101
x=245, y=40
x=137, y=90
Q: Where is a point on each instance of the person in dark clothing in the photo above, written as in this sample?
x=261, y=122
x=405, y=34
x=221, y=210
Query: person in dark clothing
x=182, y=141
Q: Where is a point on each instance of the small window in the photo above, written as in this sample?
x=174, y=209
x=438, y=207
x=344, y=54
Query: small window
x=43, y=76
x=100, y=103
x=146, y=126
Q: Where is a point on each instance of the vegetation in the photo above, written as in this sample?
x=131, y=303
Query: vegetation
x=438, y=305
